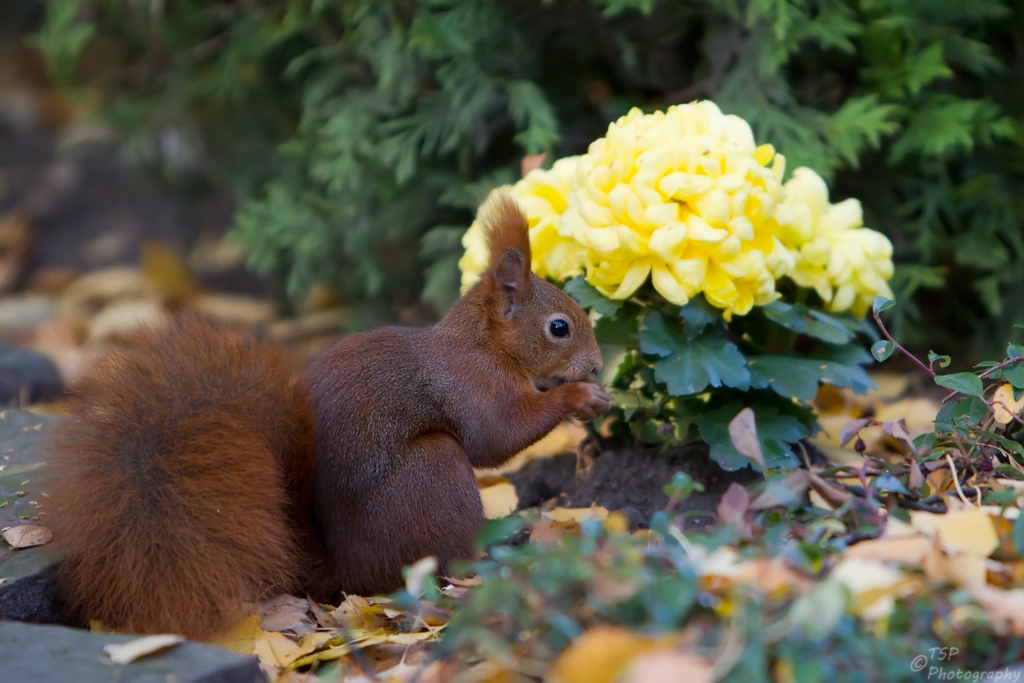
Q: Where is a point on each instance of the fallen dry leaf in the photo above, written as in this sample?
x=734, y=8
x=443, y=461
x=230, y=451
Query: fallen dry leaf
x=906, y=550
x=565, y=438
x=418, y=575
x=599, y=655
x=961, y=568
x=916, y=478
x=91, y=291
x=897, y=430
x=733, y=506
x=852, y=428
x=743, y=434
x=356, y=613
x=833, y=495
x=327, y=654
x=287, y=613
x=785, y=492
x=275, y=651
x=27, y=536
x=669, y=667
x=240, y=635
x=889, y=386
x=322, y=617
x=1004, y=407
x=874, y=585
x=126, y=653
x=122, y=317
x=165, y=270
x=967, y=531
x=215, y=255
x=1005, y=607
x=578, y=515
x=500, y=500
x=235, y=309
x=772, y=576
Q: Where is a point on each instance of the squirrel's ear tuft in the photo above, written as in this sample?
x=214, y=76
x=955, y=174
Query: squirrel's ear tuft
x=508, y=240
x=506, y=227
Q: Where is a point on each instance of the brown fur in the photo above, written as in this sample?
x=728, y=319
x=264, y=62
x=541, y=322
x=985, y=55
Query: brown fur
x=506, y=227
x=404, y=415
x=181, y=483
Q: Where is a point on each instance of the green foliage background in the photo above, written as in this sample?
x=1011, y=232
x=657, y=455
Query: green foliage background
x=359, y=135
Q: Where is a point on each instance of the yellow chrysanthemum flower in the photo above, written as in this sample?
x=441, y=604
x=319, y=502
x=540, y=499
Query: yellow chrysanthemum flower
x=845, y=263
x=542, y=195
x=686, y=197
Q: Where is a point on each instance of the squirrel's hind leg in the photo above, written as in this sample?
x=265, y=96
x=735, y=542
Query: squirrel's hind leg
x=430, y=505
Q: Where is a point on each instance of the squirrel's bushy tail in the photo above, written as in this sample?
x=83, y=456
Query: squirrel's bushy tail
x=179, y=483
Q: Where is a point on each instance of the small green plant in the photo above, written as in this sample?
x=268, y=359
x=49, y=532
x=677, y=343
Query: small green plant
x=681, y=373
x=978, y=432
x=538, y=598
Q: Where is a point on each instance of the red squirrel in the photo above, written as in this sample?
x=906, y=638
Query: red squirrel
x=195, y=471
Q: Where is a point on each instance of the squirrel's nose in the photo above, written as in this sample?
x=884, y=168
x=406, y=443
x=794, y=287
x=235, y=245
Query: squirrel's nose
x=598, y=366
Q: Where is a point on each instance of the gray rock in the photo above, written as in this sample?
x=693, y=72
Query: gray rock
x=28, y=591
x=20, y=312
x=63, y=655
x=26, y=376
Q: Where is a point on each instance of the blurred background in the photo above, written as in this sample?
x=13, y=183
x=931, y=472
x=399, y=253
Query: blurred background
x=308, y=167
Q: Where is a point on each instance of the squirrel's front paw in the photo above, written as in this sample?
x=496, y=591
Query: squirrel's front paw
x=588, y=399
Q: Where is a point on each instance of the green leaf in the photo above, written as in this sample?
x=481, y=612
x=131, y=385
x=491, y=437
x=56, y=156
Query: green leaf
x=887, y=482
x=1008, y=444
x=681, y=486
x=1014, y=374
x=499, y=530
x=533, y=115
x=881, y=350
x=924, y=67
x=1018, y=535
x=968, y=411
x=629, y=402
x=800, y=318
x=588, y=297
x=690, y=367
x=799, y=377
x=963, y=382
x=668, y=599
x=943, y=125
x=698, y=314
x=881, y=304
x=776, y=433
x=860, y=122
x=924, y=440
x=943, y=361
x=615, y=7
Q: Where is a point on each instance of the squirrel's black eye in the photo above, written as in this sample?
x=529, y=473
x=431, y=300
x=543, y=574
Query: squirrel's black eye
x=559, y=328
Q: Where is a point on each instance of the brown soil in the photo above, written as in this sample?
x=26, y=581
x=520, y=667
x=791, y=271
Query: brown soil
x=628, y=480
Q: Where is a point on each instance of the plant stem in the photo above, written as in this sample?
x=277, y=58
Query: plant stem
x=1006, y=363
x=885, y=332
